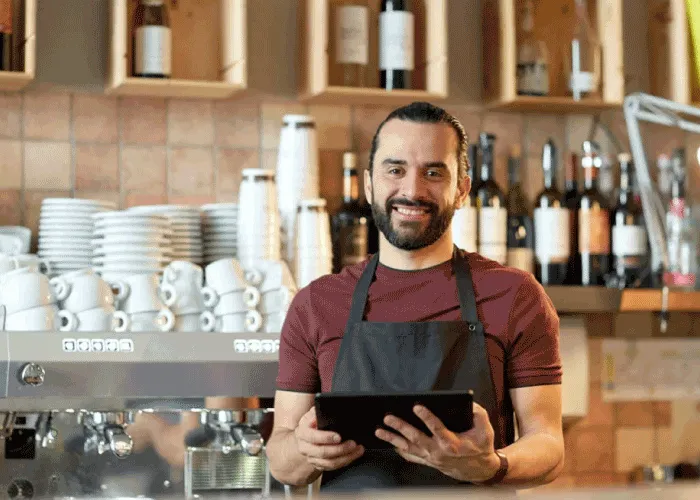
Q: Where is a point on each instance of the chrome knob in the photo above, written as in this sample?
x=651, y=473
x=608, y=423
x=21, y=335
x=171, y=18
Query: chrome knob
x=120, y=442
x=249, y=439
x=20, y=488
x=33, y=374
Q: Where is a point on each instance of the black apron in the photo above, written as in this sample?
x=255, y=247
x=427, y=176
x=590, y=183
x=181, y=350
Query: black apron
x=418, y=357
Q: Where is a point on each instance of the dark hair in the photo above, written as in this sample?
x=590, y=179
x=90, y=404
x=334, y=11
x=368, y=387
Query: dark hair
x=424, y=112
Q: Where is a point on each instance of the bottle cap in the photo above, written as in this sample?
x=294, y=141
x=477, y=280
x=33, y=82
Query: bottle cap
x=349, y=160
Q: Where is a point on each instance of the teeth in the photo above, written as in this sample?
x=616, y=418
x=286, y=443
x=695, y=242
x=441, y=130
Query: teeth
x=408, y=211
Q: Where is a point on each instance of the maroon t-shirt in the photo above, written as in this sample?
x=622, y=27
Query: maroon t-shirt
x=521, y=324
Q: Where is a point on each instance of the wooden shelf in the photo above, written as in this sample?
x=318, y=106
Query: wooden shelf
x=430, y=77
x=208, y=63
x=572, y=299
x=24, y=30
x=500, y=46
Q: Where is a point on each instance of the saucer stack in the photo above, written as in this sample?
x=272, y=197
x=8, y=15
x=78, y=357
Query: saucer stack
x=127, y=243
x=65, y=230
x=186, y=223
x=220, y=231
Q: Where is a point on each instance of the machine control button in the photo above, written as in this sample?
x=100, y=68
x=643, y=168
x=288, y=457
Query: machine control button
x=33, y=374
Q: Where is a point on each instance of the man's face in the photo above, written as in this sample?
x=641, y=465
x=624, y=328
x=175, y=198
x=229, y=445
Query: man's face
x=413, y=189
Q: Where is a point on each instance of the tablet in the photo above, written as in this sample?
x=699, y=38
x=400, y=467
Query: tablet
x=357, y=416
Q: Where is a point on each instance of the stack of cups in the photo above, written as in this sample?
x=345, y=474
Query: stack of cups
x=88, y=303
x=258, y=219
x=234, y=301
x=182, y=290
x=314, y=252
x=143, y=298
x=297, y=174
x=30, y=302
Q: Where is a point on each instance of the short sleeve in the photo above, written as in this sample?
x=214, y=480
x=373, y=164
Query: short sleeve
x=533, y=330
x=298, y=368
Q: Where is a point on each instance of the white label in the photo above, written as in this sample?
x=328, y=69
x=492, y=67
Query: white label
x=98, y=345
x=255, y=346
x=352, y=35
x=493, y=233
x=152, y=50
x=498, y=253
x=521, y=258
x=629, y=240
x=581, y=81
x=533, y=77
x=464, y=228
x=552, y=242
x=396, y=40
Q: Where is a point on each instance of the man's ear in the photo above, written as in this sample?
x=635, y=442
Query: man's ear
x=368, y=186
x=463, y=188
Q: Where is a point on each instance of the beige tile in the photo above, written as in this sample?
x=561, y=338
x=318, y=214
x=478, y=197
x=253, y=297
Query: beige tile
x=470, y=118
x=578, y=127
x=331, y=173
x=365, y=121
x=47, y=116
x=96, y=167
x=190, y=122
x=600, y=413
x=10, y=115
x=111, y=196
x=333, y=126
x=541, y=128
x=268, y=160
x=237, y=124
x=10, y=164
x=191, y=199
x=143, y=169
x=681, y=440
x=272, y=114
x=10, y=207
x=32, y=208
x=95, y=118
x=594, y=449
x=634, y=414
x=229, y=166
x=47, y=165
x=142, y=120
x=191, y=172
x=634, y=448
x=137, y=199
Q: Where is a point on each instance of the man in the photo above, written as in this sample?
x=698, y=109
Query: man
x=374, y=326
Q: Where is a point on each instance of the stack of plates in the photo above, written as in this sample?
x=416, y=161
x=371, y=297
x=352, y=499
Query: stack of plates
x=65, y=231
x=128, y=243
x=220, y=231
x=186, y=224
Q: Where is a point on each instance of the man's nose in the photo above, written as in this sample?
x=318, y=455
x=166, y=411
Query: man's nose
x=413, y=185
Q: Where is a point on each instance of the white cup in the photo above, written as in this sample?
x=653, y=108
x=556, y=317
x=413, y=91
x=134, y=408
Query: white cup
x=225, y=276
x=24, y=289
x=238, y=301
x=250, y=321
x=185, y=280
x=152, y=321
x=272, y=323
x=269, y=275
x=83, y=292
x=8, y=263
x=36, y=319
x=141, y=293
x=276, y=301
x=102, y=319
x=35, y=263
x=196, y=322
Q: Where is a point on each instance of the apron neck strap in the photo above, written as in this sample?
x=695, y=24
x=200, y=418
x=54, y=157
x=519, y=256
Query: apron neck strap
x=465, y=289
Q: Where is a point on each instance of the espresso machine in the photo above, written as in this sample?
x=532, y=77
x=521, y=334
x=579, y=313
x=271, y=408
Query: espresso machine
x=78, y=413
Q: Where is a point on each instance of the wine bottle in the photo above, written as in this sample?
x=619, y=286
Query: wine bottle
x=349, y=42
x=349, y=228
x=491, y=205
x=629, y=235
x=552, y=235
x=521, y=231
x=152, y=40
x=464, y=221
x=571, y=194
x=593, y=222
x=533, y=58
x=680, y=233
x=583, y=57
x=6, y=52
x=396, y=45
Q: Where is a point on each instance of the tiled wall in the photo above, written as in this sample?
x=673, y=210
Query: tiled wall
x=143, y=151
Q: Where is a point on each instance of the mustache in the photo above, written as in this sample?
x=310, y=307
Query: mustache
x=392, y=202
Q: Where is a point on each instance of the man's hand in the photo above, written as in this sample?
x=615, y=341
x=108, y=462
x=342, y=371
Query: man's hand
x=468, y=456
x=323, y=449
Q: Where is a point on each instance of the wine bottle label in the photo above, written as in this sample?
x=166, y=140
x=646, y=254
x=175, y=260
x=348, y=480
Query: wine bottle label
x=492, y=233
x=352, y=35
x=464, y=228
x=521, y=258
x=593, y=231
x=152, y=50
x=353, y=244
x=629, y=240
x=533, y=78
x=552, y=235
x=396, y=41
x=6, y=16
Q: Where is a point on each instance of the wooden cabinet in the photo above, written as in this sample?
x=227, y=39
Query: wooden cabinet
x=24, y=51
x=208, y=50
x=672, y=73
x=430, y=79
x=553, y=24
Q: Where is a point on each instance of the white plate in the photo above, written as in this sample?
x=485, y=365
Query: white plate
x=128, y=260
x=60, y=234
x=127, y=269
x=131, y=239
x=66, y=219
x=66, y=228
x=143, y=231
x=78, y=201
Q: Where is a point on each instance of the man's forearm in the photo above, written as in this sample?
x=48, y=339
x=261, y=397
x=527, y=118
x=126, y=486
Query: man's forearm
x=534, y=460
x=287, y=465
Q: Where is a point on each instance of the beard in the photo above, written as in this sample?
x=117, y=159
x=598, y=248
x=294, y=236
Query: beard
x=410, y=235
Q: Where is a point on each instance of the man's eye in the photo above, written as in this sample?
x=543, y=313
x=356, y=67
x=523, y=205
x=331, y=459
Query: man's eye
x=394, y=170
x=434, y=173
